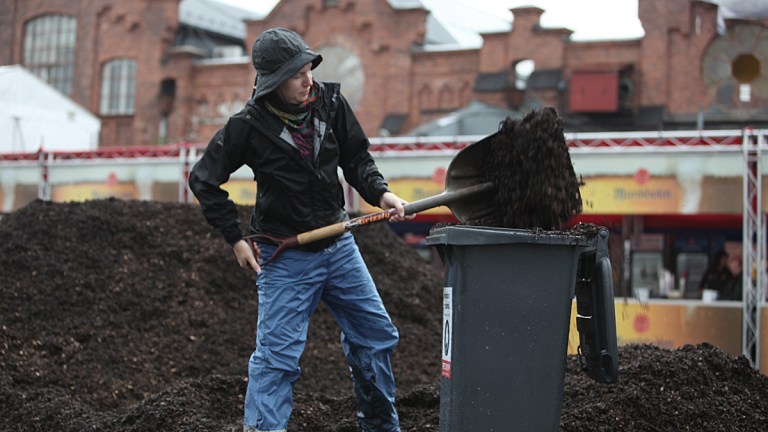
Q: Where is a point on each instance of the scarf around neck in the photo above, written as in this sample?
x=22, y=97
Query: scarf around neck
x=298, y=118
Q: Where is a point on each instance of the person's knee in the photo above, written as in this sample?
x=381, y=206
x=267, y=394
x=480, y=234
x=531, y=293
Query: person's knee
x=383, y=341
x=283, y=360
x=390, y=339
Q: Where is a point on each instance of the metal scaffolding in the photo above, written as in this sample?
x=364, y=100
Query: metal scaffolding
x=753, y=245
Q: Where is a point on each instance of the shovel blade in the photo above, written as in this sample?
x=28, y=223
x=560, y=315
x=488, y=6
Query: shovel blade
x=467, y=169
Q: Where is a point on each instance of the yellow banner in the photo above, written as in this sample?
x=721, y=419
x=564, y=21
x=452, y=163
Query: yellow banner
x=626, y=195
x=672, y=325
x=93, y=191
x=241, y=192
x=600, y=195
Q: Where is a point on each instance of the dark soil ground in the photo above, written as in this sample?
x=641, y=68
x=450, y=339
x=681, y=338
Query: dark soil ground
x=134, y=316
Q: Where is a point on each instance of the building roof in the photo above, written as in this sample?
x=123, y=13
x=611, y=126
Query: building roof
x=216, y=17
x=492, y=81
x=454, y=24
x=738, y=9
x=477, y=118
x=545, y=79
x=451, y=24
x=405, y=4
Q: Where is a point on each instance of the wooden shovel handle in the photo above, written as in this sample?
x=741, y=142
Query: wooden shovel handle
x=321, y=233
x=342, y=227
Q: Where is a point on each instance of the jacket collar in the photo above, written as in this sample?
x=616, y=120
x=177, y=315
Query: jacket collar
x=257, y=115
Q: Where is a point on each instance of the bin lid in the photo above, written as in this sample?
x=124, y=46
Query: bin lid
x=477, y=235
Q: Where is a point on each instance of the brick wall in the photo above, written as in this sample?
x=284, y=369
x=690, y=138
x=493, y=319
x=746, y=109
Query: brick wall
x=663, y=68
x=686, y=95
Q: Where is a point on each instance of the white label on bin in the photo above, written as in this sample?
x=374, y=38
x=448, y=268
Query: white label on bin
x=447, y=322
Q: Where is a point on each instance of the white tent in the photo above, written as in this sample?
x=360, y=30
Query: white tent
x=34, y=115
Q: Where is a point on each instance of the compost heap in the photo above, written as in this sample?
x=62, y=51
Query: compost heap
x=530, y=166
x=133, y=316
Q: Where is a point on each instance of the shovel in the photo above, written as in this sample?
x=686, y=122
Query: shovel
x=465, y=190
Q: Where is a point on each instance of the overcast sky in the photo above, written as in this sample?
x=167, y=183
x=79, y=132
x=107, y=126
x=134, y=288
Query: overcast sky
x=589, y=19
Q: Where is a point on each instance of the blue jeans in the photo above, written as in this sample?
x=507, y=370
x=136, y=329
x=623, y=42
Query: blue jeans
x=290, y=289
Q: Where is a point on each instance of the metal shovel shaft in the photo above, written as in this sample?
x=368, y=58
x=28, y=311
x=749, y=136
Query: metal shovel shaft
x=447, y=198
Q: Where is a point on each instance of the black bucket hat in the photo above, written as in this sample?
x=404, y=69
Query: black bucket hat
x=277, y=55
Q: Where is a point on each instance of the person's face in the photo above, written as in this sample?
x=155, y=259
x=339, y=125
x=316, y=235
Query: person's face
x=295, y=90
x=734, y=266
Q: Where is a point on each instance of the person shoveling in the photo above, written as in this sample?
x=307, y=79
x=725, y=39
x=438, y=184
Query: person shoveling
x=295, y=133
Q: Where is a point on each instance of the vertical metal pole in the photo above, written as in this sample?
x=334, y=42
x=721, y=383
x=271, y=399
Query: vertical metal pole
x=627, y=231
x=626, y=290
x=761, y=258
x=351, y=198
x=18, y=131
x=44, y=184
x=184, y=153
x=753, y=244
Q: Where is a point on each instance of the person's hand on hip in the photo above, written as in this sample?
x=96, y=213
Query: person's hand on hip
x=247, y=255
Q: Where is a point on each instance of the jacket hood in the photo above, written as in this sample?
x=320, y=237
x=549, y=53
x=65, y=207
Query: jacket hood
x=277, y=55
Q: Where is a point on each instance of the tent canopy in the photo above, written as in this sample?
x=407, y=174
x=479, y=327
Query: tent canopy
x=34, y=115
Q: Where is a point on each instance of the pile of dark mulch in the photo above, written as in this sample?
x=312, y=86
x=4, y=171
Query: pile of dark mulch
x=692, y=388
x=109, y=304
x=133, y=316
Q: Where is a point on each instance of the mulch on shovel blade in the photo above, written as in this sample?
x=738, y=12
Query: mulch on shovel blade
x=530, y=166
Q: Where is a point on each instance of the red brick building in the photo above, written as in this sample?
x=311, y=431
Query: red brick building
x=142, y=69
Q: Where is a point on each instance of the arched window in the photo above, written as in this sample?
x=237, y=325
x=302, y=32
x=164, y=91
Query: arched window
x=118, y=87
x=446, y=98
x=523, y=71
x=49, y=49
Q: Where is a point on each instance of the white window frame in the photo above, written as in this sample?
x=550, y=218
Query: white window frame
x=118, y=87
x=49, y=49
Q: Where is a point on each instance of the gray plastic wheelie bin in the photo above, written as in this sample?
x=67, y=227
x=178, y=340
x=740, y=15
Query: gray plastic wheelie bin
x=506, y=313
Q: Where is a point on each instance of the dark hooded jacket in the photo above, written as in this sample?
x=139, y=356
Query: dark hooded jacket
x=294, y=195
